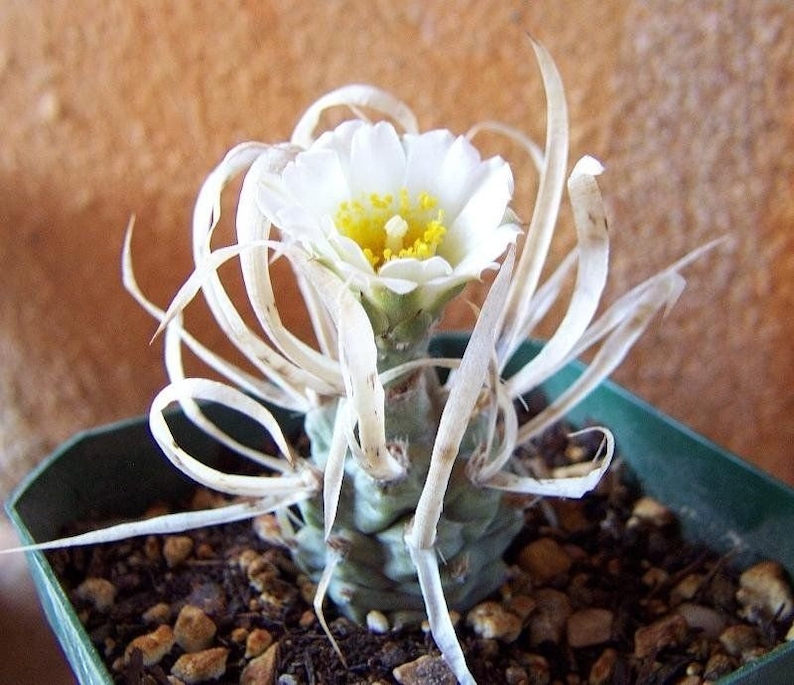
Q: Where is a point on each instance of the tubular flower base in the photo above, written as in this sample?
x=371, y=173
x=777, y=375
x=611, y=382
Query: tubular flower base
x=400, y=506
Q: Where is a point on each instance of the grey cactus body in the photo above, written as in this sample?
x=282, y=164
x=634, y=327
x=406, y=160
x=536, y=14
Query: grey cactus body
x=377, y=571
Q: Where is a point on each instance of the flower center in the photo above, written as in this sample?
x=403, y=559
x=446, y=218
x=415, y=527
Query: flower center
x=388, y=227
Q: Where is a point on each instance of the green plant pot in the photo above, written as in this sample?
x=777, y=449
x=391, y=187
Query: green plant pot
x=118, y=471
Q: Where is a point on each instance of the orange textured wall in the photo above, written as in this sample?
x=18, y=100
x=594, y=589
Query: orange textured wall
x=114, y=108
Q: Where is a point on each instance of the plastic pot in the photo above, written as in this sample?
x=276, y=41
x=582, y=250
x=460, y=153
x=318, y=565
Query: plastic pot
x=117, y=471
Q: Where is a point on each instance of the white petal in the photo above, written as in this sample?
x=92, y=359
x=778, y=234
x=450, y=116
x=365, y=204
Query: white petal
x=317, y=181
x=416, y=270
x=377, y=161
x=482, y=213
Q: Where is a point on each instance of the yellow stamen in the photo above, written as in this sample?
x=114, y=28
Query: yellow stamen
x=391, y=228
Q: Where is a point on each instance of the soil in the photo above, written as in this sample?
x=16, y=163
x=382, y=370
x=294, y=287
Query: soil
x=635, y=568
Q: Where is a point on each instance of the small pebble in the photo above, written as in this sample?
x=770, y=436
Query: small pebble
x=538, y=669
x=544, y=559
x=765, y=593
x=655, y=577
x=424, y=671
x=257, y=642
x=571, y=516
x=717, y=666
x=515, y=675
x=649, y=510
x=159, y=613
x=246, y=558
x=267, y=528
x=491, y=620
x=153, y=646
x=207, y=499
x=308, y=618
x=603, y=668
x=261, y=670
x=152, y=548
x=520, y=605
x=197, y=667
x=307, y=588
x=177, y=549
x=739, y=639
x=666, y=632
x=194, y=630
x=686, y=588
x=702, y=618
x=547, y=622
x=99, y=592
x=260, y=573
x=377, y=622
x=588, y=627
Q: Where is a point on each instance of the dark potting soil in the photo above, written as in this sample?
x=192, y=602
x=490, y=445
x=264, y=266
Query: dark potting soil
x=632, y=567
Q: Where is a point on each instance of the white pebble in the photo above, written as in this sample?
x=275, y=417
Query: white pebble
x=377, y=622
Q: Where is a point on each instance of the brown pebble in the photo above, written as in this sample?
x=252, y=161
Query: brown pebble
x=655, y=577
x=197, y=667
x=765, y=593
x=262, y=669
x=151, y=548
x=177, y=549
x=571, y=516
x=666, y=632
x=603, y=668
x=205, y=551
x=588, y=627
x=547, y=622
x=267, y=528
x=307, y=588
x=649, y=510
x=538, y=669
x=159, y=613
x=153, y=646
x=686, y=588
x=194, y=630
x=261, y=572
x=739, y=639
x=491, y=620
x=239, y=635
x=515, y=675
x=709, y=622
x=207, y=499
x=520, y=605
x=426, y=670
x=544, y=559
x=99, y=592
x=717, y=666
x=308, y=618
x=257, y=642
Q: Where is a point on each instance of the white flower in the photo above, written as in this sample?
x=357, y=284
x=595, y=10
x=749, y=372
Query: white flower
x=412, y=212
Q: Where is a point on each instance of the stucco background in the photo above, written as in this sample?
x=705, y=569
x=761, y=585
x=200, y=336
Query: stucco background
x=113, y=108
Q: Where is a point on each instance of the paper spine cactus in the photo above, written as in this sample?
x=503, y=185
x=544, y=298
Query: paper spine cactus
x=401, y=503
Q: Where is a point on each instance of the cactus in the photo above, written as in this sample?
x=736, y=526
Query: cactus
x=401, y=505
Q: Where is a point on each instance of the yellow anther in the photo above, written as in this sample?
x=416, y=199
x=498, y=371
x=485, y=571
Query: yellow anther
x=387, y=228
